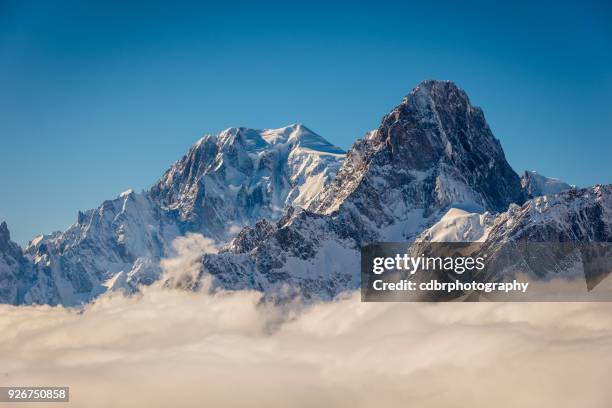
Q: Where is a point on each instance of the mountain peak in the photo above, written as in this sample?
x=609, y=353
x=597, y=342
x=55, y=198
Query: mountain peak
x=5, y=235
x=434, y=133
x=294, y=135
x=260, y=170
x=436, y=91
x=6, y=245
x=430, y=84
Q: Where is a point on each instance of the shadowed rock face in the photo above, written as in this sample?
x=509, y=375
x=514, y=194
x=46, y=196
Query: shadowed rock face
x=5, y=237
x=435, y=133
x=437, y=124
x=13, y=267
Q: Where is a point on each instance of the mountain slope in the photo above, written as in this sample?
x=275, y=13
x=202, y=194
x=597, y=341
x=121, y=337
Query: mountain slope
x=565, y=236
x=459, y=226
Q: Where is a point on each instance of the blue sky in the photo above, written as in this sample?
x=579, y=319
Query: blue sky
x=98, y=97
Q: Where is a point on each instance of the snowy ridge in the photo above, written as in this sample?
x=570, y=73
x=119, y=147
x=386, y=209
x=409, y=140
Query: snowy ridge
x=73, y=266
x=576, y=215
x=458, y=225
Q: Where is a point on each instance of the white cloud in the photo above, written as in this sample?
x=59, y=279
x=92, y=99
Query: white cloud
x=219, y=350
x=183, y=268
x=169, y=347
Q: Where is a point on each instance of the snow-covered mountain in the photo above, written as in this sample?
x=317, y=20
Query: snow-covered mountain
x=289, y=211
x=435, y=139
x=432, y=152
x=536, y=184
x=222, y=184
x=259, y=173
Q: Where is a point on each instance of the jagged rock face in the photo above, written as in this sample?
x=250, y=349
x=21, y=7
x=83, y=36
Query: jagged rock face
x=223, y=184
x=303, y=252
x=7, y=247
x=433, y=151
x=573, y=216
x=535, y=185
x=582, y=215
x=14, y=268
x=10, y=254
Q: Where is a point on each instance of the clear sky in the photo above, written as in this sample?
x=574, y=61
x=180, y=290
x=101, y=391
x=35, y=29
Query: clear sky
x=98, y=97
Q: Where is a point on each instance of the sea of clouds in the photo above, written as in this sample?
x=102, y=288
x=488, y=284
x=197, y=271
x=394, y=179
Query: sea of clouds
x=175, y=348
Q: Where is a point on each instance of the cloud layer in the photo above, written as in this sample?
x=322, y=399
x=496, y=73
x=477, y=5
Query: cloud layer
x=175, y=348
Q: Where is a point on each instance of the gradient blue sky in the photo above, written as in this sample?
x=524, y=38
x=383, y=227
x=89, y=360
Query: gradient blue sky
x=98, y=97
